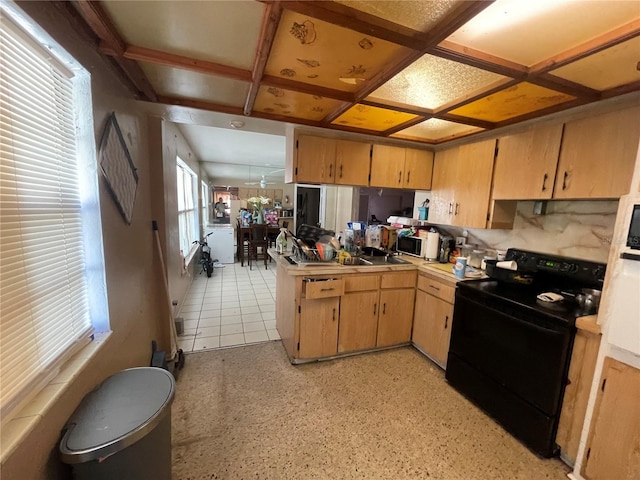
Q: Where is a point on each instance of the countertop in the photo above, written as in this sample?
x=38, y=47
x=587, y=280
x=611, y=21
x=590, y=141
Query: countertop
x=441, y=271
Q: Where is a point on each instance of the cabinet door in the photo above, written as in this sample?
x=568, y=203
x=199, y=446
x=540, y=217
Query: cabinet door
x=396, y=317
x=598, y=155
x=526, y=163
x=358, y=321
x=315, y=159
x=418, y=169
x=442, y=194
x=473, y=184
x=613, y=447
x=353, y=163
x=387, y=165
x=432, y=327
x=319, y=327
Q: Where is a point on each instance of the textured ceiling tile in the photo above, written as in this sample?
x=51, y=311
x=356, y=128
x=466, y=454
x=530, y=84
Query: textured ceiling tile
x=225, y=32
x=609, y=68
x=528, y=32
x=419, y=15
x=276, y=101
x=175, y=82
x=512, y=102
x=435, y=129
x=372, y=118
x=315, y=52
x=432, y=82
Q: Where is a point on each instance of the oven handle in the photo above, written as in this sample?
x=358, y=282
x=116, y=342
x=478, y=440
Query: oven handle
x=561, y=329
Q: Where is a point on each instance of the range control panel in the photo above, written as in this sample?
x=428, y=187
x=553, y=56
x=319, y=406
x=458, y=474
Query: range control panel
x=577, y=269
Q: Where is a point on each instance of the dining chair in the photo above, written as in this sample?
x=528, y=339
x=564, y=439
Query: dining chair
x=258, y=243
x=242, y=242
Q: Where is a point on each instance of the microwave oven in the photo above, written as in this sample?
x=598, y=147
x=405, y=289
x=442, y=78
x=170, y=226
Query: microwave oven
x=633, y=238
x=416, y=246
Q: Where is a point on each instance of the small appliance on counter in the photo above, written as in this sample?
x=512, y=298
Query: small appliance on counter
x=445, y=248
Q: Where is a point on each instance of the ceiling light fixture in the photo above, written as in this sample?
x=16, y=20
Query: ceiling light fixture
x=236, y=124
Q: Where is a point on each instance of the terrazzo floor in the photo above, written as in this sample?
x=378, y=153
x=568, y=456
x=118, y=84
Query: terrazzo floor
x=235, y=306
x=247, y=413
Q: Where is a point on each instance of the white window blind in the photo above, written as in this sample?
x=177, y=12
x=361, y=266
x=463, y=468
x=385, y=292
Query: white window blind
x=43, y=292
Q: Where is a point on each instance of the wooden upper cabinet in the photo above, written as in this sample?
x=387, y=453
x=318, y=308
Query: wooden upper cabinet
x=598, y=155
x=462, y=185
x=473, y=184
x=353, y=163
x=418, y=168
x=387, y=165
x=315, y=159
x=525, y=167
x=613, y=445
x=442, y=186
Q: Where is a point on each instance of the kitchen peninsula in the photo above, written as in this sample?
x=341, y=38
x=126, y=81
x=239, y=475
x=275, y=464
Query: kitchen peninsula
x=331, y=310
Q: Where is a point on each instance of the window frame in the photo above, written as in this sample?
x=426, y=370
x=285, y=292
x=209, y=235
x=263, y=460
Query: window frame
x=187, y=206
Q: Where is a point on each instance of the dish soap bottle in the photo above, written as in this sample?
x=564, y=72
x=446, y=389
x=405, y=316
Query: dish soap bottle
x=281, y=241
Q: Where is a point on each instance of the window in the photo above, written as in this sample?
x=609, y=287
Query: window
x=52, y=280
x=205, y=202
x=187, y=212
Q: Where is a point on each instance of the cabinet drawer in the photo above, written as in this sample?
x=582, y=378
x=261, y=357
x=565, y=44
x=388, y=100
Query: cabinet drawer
x=361, y=283
x=437, y=289
x=406, y=279
x=322, y=288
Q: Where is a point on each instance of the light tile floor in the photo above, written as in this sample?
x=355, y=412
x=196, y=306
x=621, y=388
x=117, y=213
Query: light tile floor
x=236, y=306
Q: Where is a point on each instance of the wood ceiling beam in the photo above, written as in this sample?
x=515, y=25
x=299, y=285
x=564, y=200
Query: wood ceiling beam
x=474, y=122
x=565, y=86
x=158, y=57
x=397, y=107
x=595, y=45
x=458, y=16
x=545, y=111
x=301, y=87
x=402, y=126
x=200, y=104
x=472, y=97
x=98, y=20
x=270, y=22
x=621, y=90
x=353, y=19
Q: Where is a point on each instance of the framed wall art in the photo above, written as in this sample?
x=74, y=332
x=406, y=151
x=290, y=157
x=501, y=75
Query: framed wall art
x=118, y=168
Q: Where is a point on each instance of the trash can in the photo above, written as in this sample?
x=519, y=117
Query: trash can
x=122, y=429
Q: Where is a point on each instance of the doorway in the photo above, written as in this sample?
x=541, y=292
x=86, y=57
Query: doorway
x=308, y=206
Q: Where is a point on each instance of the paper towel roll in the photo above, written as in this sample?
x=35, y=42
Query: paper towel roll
x=433, y=245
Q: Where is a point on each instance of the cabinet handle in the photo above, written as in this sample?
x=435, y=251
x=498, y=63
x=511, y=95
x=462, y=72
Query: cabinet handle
x=446, y=321
x=450, y=208
x=544, y=182
x=408, y=176
x=399, y=177
x=434, y=287
x=457, y=208
x=564, y=180
x=334, y=315
x=384, y=308
x=340, y=170
x=330, y=171
x=375, y=308
x=326, y=289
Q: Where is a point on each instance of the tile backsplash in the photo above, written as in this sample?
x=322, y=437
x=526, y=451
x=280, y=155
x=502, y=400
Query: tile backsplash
x=580, y=229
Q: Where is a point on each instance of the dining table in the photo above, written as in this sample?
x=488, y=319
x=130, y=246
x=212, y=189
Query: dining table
x=244, y=234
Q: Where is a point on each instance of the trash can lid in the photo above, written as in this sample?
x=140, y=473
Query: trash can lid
x=117, y=413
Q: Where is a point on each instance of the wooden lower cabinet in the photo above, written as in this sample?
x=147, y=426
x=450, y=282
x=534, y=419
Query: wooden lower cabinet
x=432, y=326
x=319, y=327
x=613, y=446
x=395, y=317
x=358, y=321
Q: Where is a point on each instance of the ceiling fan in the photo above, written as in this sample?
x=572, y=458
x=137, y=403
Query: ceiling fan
x=263, y=182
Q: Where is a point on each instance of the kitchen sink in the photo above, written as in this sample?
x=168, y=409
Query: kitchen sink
x=375, y=260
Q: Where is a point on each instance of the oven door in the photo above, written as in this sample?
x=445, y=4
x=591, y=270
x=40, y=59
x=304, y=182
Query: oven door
x=512, y=361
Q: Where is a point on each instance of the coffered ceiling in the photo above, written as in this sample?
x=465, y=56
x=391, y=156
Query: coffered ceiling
x=426, y=71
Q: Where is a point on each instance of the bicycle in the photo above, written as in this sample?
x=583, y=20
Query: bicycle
x=205, y=255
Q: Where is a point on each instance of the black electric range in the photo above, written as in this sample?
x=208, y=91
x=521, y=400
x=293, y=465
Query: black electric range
x=510, y=351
